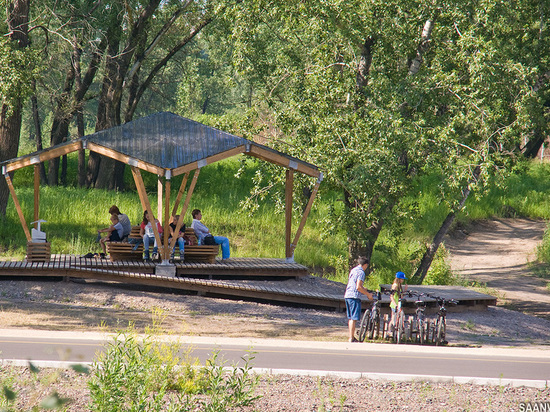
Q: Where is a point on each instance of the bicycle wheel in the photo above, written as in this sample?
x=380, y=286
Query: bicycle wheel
x=409, y=328
x=364, y=325
x=414, y=335
x=393, y=327
x=374, y=326
x=427, y=328
x=421, y=330
x=400, y=328
x=441, y=327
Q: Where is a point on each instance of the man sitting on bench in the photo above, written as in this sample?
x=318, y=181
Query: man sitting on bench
x=205, y=237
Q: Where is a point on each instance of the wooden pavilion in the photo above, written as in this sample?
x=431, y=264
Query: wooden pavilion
x=169, y=145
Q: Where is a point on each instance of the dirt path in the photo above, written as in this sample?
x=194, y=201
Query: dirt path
x=497, y=253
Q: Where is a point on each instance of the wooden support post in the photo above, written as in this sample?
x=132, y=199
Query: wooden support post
x=179, y=224
x=160, y=194
x=36, y=194
x=306, y=213
x=140, y=186
x=18, y=207
x=166, y=249
x=289, y=185
x=180, y=194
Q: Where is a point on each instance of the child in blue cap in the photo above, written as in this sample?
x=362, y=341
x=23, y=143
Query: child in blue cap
x=397, y=289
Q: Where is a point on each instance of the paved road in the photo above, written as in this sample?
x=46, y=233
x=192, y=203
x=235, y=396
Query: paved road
x=517, y=366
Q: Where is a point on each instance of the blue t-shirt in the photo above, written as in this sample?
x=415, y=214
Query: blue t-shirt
x=357, y=273
x=119, y=228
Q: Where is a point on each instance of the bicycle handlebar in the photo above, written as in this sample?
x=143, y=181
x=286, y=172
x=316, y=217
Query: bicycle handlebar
x=442, y=301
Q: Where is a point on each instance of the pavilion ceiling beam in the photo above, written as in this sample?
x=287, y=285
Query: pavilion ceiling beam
x=208, y=160
x=44, y=156
x=113, y=154
x=269, y=156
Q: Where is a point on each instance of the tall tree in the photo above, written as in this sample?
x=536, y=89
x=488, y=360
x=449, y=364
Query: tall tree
x=491, y=106
x=380, y=93
x=134, y=57
x=105, y=56
x=15, y=81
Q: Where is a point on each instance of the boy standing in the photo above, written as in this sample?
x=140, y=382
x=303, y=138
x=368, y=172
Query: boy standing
x=352, y=295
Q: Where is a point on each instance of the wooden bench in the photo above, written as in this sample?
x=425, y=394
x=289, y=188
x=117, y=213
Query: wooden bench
x=125, y=250
x=195, y=253
x=200, y=253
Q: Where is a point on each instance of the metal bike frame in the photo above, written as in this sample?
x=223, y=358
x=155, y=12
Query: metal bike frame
x=419, y=320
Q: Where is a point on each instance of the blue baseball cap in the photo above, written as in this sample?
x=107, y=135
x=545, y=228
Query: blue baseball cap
x=400, y=275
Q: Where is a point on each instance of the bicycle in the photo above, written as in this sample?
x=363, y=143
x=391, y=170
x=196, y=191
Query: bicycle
x=440, y=325
x=370, y=321
x=418, y=325
x=400, y=324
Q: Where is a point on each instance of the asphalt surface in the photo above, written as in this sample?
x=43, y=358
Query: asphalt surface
x=497, y=366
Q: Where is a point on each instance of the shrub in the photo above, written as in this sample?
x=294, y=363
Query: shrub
x=146, y=374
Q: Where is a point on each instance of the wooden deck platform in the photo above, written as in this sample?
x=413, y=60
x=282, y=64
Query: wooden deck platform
x=259, y=279
x=69, y=265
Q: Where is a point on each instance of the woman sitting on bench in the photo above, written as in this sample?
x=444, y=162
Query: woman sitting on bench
x=205, y=237
x=181, y=234
x=147, y=233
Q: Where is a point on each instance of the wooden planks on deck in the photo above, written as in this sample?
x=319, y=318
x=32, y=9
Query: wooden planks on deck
x=236, y=278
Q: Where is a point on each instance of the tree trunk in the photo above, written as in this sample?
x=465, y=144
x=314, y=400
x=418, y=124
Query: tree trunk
x=364, y=248
x=532, y=148
x=363, y=68
x=81, y=152
x=38, y=131
x=10, y=120
x=63, y=177
x=423, y=46
x=429, y=255
x=10, y=128
x=60, y=125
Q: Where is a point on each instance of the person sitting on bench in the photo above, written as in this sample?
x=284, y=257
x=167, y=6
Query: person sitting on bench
x=180, y=241
x=123, y=219
x=205, y=237
x=115, y=233
x=147, y=233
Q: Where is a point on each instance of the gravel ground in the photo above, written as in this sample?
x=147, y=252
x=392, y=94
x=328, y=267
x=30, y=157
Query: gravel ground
x=304, y=393
x=58, y=305
x=74, y=306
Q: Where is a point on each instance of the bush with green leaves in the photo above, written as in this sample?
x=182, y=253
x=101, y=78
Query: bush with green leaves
x=148, y=374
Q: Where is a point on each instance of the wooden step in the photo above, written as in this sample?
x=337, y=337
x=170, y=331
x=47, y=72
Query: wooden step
x=38, y=251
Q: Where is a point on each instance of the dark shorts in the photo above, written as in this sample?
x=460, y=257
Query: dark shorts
x=114, y=237
x=353, y=308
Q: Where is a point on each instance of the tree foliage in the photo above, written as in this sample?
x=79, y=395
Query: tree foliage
x=380, y=93
x=19, y=69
